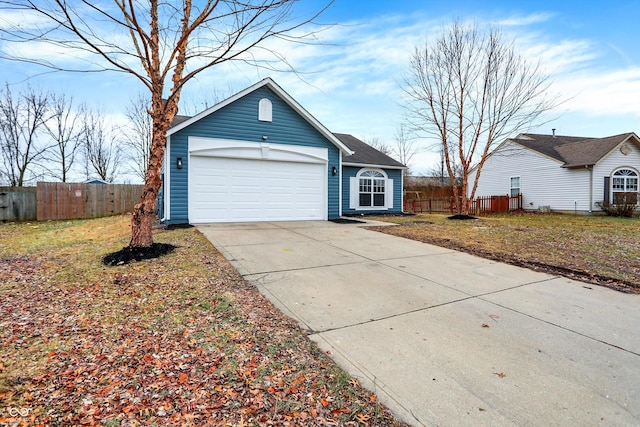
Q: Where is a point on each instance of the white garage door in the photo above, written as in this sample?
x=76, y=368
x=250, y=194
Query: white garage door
x=229, y=190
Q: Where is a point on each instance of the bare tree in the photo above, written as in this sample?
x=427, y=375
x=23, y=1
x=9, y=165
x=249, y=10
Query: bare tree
x=139, y=134
x=63, y=127
x=439, y=171
x=169, y=43
x=21, y=120
x=405, y=145
x=469, y=89
x=208, y=99
x=379, y=145
x=101, y=154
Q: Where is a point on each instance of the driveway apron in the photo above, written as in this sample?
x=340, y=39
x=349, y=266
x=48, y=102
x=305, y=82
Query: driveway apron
x=443, y=337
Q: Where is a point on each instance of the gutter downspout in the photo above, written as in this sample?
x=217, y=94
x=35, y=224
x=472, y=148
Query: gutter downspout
x=590, y=188
x=339, y=184
x=166, y=184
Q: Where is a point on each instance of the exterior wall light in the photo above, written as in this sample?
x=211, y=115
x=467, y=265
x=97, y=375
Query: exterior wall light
x=179, y=163
x=334, y=171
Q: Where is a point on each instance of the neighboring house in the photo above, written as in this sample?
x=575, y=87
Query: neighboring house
x=96, y=181
x=562, y=173
x=260, y=156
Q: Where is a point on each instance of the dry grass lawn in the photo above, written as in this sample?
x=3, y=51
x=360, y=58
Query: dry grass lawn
x=181, y=340
x=601, y=250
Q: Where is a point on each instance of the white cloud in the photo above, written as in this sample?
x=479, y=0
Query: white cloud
x=602, y=93
x=520, y=21
x=12, y=20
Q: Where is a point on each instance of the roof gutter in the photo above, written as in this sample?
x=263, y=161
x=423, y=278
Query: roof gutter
x=369, y=165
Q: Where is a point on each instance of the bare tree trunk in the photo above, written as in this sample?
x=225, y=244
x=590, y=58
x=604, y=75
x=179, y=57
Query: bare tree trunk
x=144, y=212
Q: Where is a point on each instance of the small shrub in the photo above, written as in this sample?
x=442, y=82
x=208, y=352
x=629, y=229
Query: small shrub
x=625, y=205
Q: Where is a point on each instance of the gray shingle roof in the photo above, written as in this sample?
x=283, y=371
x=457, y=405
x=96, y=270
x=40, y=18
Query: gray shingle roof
x=574, y=151
x=177, y=119
x=364, y=154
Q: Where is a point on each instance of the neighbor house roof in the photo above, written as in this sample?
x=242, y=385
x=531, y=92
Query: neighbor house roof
x=365, y=155
x=179, y=119
x=574, y=151
x=269, y=83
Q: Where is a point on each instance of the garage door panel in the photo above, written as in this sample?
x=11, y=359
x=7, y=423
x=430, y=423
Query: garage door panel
x=223, y=189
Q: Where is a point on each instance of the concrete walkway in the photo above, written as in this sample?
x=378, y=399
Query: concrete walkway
x=445, y=338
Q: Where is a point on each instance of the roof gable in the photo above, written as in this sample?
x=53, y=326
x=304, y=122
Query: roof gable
x=364, y=154
x=181, y=123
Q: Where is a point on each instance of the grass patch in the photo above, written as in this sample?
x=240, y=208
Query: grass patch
x=177, y=340
x=598, y=249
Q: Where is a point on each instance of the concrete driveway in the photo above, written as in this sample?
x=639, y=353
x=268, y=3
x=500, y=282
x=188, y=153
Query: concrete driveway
x=446, y=338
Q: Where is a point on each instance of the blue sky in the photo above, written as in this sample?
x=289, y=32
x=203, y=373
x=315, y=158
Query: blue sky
x=353, y=82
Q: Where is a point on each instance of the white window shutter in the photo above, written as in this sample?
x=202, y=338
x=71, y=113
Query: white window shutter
x=388, y=193
x=354, y=192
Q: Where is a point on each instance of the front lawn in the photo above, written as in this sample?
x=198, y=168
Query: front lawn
x=598, y=249
x=178, y=340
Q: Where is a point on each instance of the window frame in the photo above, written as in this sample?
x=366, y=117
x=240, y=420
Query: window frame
x=511, y=187
x=374, y=182
x=620, y=183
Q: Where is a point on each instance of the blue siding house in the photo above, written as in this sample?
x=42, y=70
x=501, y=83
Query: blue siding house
x=260, y=156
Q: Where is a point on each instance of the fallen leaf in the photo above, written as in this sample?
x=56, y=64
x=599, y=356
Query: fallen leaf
x=363, y=418
x=183, y=378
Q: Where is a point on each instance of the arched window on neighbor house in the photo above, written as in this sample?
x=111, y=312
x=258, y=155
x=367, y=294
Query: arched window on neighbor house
x=623, y=182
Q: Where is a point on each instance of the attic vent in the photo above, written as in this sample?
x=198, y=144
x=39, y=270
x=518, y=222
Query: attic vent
x=265, y=110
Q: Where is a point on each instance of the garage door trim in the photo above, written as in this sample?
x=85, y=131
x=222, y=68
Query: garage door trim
x=256, y=150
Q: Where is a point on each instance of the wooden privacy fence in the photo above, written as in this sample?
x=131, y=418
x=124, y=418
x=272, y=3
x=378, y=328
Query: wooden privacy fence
x=481, y=205
x=497, y=204
x=18, y=204
x=58, y=200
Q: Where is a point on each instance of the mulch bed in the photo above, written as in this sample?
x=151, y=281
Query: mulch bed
x=130, y=254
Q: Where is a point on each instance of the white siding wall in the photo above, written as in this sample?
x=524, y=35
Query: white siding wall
x=606, y=166
x=543, y=181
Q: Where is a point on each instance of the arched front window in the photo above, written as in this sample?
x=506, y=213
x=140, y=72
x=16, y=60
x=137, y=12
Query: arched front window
x=372, y=184
x=623, y=182
x=370, y=189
